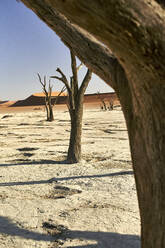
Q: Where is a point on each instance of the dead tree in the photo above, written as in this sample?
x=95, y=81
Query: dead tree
x=49, y=100
x=135, y=32
x=48, y=97
x=102, y=99
x=75, y=105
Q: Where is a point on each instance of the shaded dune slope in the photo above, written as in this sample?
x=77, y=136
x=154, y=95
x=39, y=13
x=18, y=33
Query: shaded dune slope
x=38, y=99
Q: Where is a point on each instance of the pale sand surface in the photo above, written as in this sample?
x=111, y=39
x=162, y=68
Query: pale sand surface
x=45, y=202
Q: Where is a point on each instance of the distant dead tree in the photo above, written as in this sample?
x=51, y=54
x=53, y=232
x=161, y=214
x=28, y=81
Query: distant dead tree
x=48, y=97
x=102, y=99
x=75, y=106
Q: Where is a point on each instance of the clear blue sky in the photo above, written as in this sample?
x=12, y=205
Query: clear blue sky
x=28, y=46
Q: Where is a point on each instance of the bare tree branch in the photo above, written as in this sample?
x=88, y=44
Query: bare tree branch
x=45, y=80
x=85, y=82
x=57, y=97
x=74, y=80
x=50, y=87
x=40, y=80
x=79, y=67
x=62, y=74
x=62, y=79
x=43, y=85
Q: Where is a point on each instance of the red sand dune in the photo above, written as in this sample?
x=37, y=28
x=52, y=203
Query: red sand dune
x=38, y=99
x=7, y=103
x=54, y=93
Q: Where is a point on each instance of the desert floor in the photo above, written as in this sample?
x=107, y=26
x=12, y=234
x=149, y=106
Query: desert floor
x=45, y=202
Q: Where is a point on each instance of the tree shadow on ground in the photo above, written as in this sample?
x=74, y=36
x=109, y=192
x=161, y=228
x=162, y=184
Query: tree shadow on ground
x=10, y=228
x=101, y=239
x=34, y=162
x=56, y=179
x=105, y=239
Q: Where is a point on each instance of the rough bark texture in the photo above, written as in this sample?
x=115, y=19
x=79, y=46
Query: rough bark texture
x=135, y=32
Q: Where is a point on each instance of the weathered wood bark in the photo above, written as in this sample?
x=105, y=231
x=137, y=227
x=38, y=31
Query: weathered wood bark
x=135, y=32
x=75, y=105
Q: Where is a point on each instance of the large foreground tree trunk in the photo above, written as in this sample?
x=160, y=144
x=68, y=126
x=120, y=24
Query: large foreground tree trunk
x=146, y=128
x=135, y=32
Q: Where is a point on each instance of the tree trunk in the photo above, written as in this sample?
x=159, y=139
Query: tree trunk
x=145, y=118
x=147, y=142
x=74, y=151
x=51, y=116
x=47, y=111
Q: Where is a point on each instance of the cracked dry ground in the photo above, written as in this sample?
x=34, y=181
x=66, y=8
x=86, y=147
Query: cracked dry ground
x=45, y=202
